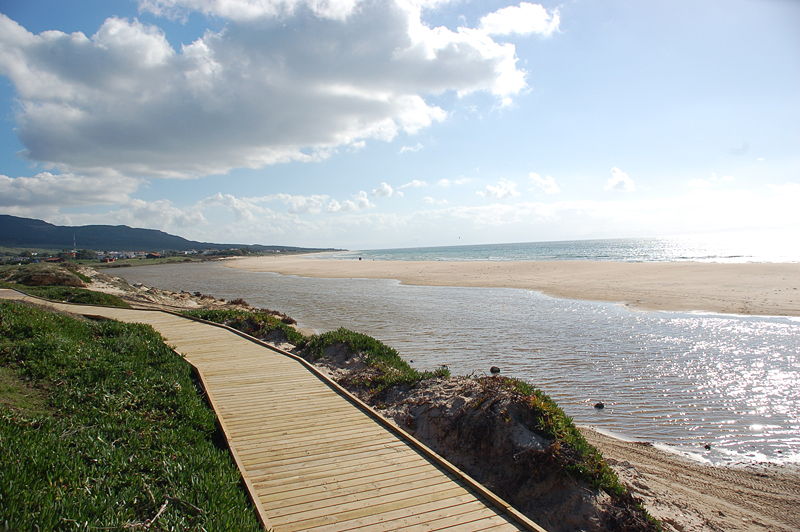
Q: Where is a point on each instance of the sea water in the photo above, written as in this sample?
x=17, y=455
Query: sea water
x=685, y=380
x=738, y=247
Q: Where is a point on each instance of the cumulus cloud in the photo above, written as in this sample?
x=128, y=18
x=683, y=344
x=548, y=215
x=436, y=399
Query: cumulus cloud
x=385, y=190
x=65, y=190
x=245, y=10
x=298, y=203
x=546, y=184
x=446, y=183
x=359, y=201
x=411, y=149
x=712, y=182
x=414, y=183
x=284, y=80
x=433, y=201
x=504, y=189
x=619, y=180
x=523, y=19
x=316, y=203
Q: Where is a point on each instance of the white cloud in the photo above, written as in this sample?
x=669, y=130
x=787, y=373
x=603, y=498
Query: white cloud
x=444, y=182
x=316, y=203
x=504, y=189
x=523, y=19
x=712, y=182
x=385, y=190
x=358, y=202
x=619, y=180
x=546, y=184
x=297, y=203
x=65, y=190
x=411, y=149
x=285, y=80
x=433, y=201
x=247, y=10
x=414, y=183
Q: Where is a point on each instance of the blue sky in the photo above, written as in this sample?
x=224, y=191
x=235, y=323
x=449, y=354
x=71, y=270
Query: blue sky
x=362, y=124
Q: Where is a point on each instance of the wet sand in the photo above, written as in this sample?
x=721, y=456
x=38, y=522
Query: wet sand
x=689, y=496
x=771, y=289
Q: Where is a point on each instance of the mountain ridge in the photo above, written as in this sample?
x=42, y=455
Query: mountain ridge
x=21, y=232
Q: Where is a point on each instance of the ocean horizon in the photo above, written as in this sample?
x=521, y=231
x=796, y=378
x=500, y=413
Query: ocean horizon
x=727, y=248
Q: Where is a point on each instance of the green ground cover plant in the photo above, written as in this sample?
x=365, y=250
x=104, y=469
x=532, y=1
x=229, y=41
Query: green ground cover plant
x=584, y=461
x=390, y=368
x=103, y=427
x=69, y=294
x=259, y=324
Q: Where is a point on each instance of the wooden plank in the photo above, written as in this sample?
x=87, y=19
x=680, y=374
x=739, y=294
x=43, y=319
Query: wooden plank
x=372, y=480
x=302, y=460
x=292, y=420
x=258, y=412
x=321, y=478
x=316, y=401
x=276, y=441
x=476, y=520
x=497, y=526
x=432, y=519
x=404, y=517
x=335, y=498
x=320, y=516
x=262, y=469
x=258, y=432
x=302, y=426
x=333, y=464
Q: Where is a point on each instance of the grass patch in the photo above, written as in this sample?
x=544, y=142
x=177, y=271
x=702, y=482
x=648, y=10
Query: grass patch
x=19, y=396
x=43, y=274
x=390, y=368
x=256, y=323
x=69, y=294
x=74, y=269
x=128, y=433
x=583, y=460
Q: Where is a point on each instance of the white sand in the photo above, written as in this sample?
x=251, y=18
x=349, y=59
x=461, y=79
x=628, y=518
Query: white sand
x=750, y=288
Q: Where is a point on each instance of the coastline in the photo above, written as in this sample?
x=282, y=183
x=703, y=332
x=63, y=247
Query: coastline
x=766, y=289
x=686, y=495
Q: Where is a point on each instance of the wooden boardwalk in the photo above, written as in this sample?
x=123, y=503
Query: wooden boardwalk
x=312, y=456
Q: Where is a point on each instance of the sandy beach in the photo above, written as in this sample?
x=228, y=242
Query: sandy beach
x=689, y=496
x=771, y=289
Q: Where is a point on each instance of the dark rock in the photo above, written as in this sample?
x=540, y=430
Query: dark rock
x=599, y=405
x=494, y=369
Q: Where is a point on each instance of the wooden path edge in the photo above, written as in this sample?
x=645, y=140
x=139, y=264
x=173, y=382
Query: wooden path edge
x=479, y=489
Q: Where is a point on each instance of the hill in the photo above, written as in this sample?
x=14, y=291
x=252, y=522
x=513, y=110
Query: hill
x=16, y=232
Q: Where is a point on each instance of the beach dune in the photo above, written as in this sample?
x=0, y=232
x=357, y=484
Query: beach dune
x=746, y=288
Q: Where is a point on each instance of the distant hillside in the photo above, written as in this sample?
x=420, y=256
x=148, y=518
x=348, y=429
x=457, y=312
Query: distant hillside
x=19, y=232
